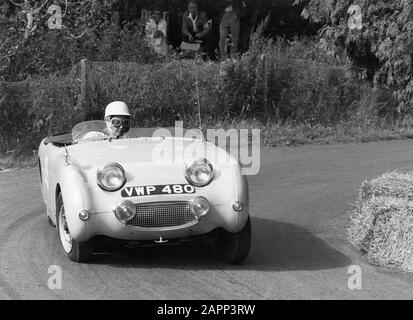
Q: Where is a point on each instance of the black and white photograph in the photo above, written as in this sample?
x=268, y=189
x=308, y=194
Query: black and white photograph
x=206, y=156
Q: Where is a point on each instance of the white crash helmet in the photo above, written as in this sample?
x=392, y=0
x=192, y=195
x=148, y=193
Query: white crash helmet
x=117, y=108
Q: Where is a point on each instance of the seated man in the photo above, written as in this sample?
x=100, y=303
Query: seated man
x=195, y=26
x=156, y=30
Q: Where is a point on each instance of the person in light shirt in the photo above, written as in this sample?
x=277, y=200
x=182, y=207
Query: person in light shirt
x=156, y=32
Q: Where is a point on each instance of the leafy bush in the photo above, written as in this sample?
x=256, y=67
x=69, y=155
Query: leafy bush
x=382, y=49
x=261, y=86
x=155, y=93
x=36, y=108
x=53, y=105
x=277, y=79
x=87, y=33
x=14, y=99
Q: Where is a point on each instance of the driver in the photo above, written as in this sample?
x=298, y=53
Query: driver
x=117, y=118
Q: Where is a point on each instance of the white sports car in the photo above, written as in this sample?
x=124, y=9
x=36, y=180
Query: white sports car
x=149, y=187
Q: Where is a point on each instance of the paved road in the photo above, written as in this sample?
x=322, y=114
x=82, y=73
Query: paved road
x=299, y=204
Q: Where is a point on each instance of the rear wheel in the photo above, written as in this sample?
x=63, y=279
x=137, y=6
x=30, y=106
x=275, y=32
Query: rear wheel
x=75, y=250
x=234, y=248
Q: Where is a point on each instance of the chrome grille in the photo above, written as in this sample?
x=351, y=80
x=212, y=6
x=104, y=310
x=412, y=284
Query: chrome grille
x=162, y=215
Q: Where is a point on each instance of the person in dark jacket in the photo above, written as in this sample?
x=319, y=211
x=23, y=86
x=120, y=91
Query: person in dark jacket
x=230, y=23
x=195, y=24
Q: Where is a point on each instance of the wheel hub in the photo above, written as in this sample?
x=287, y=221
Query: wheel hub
x=64, y=232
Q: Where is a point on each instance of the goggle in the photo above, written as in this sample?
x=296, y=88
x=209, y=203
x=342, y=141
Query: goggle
x=117, y=123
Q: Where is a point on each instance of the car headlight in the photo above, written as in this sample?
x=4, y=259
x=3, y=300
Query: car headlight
x=111, y=177
x=199, y=173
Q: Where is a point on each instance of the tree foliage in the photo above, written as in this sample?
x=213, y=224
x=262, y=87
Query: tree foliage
x=382, y=50
x=28, y=45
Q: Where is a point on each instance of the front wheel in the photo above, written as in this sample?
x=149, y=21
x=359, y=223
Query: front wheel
x=75, y=250
x=234, y=248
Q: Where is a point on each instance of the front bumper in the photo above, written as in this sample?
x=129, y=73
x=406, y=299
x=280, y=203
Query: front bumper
x=106, y=224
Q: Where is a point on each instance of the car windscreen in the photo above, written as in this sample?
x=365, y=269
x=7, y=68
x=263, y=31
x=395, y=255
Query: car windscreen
x=164, y=132
x=96, y=130
x=89, y=131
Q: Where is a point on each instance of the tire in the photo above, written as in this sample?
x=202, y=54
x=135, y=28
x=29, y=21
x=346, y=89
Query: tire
x=233, y=248
x=75, y=250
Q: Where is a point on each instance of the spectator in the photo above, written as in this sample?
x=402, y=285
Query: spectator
x=230, y=24
x=156, y=32
x=195, y=24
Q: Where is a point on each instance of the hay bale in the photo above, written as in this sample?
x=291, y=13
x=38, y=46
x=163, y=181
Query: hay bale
x=381, y=225
x=394, y=184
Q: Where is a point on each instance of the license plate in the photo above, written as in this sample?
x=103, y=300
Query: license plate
x=129, y=192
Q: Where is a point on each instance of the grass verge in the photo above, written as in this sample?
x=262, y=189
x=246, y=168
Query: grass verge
x=22, y=161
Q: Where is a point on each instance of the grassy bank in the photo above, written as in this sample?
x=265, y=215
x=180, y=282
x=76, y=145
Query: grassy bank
x=294, y=93
x=272, y=82
x=288, y=99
